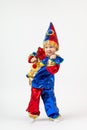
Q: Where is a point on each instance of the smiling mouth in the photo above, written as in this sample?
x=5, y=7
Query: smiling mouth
x=48, y=53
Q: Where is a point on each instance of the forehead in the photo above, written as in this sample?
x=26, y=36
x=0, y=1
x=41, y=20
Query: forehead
x=48, y=45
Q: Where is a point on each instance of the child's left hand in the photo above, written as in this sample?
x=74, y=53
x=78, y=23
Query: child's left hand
x=53, y=56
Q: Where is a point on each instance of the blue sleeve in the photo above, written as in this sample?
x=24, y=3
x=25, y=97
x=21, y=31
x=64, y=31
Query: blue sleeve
x=58, y=60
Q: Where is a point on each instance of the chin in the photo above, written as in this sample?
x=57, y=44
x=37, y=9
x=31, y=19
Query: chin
x=48, y=55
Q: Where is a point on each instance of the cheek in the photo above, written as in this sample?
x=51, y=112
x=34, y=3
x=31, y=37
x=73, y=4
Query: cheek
x=53, y=51
x=45, y=50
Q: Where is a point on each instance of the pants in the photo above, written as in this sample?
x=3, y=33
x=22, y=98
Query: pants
x=49, y=101
x=33, y=106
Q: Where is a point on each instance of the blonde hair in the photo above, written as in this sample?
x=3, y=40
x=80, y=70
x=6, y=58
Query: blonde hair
x=51, y=43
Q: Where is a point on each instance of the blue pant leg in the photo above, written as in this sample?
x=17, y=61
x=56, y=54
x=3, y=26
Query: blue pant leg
x=50, y=105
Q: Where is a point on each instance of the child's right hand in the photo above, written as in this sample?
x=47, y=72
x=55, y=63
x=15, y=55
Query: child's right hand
x=53, y=56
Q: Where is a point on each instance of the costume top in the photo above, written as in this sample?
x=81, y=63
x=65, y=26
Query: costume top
x=44, y=77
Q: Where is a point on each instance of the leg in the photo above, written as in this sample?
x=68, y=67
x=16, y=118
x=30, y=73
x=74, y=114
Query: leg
x=49, y=100
x=33, y=107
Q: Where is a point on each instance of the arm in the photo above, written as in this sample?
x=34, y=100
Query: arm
x=54, y=64
x=58, y=60
x=53, y=69
x=39, y=55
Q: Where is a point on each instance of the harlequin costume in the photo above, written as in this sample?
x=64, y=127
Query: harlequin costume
x=43, y=80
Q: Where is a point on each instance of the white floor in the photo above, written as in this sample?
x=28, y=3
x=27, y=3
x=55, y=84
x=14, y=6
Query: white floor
x=22, y=122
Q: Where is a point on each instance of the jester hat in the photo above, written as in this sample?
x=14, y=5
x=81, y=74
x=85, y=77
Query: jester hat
x=51, y=37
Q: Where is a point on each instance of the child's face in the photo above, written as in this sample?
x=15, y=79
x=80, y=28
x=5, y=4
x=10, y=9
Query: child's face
x=49, y=50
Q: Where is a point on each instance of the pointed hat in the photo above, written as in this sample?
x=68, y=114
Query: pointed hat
x=51, y=36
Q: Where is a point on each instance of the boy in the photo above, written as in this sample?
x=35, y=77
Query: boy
x=43, y=79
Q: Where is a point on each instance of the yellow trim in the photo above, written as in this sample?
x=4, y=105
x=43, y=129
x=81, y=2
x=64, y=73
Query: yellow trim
x=50, y=63
x=53, y=119
x=33, y=116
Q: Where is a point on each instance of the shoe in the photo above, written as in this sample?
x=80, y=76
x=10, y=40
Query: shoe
x=53, y=119
x=33, y=116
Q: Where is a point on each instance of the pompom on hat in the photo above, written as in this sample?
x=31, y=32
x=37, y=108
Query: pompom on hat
x=51, y=37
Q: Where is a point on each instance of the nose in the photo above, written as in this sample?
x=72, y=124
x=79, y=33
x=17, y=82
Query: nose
x=48, y=49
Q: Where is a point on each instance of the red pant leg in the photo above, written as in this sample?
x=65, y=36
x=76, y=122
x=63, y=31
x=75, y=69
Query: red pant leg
x=33, y=106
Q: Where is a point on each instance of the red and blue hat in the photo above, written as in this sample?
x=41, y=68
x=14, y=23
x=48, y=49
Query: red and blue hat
x=51, y=36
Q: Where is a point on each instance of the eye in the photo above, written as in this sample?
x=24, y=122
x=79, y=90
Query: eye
x=46, y=47
x=51, y=46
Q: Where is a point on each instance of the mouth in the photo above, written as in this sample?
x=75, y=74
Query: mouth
x=49, y=53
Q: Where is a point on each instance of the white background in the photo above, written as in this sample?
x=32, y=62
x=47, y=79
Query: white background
x=23, y=24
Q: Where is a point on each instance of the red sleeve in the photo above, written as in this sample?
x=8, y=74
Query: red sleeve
x=29, y=59
x=53, y=69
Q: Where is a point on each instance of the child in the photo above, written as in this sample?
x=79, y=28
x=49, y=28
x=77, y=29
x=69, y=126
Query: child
x=43, y=78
